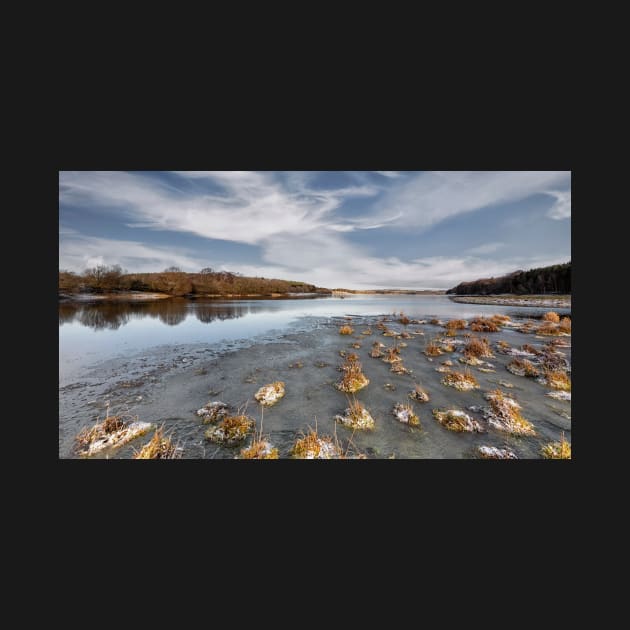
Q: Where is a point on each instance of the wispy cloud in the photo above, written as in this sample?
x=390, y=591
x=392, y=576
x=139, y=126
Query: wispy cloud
x=486, y=248
x=431, y=197
x=393, y=174
x=561, y=209
x=78, y=252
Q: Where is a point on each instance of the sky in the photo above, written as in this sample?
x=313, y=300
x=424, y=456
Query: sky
x=334, y=229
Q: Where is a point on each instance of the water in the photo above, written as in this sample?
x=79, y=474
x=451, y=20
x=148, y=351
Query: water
x=150, y=358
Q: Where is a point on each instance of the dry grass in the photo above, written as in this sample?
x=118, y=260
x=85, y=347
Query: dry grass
x=462, y=381
x=419, y=394
x=522, y=367
x=526, y=347
x=314, y=446
x=503, y=345
x=558, y=379
x=500, y=319
x=403, y=319
x=353, y=378
x=557, y=450
x=456, y=324
x=565, y=325
x=112, y=432
x=357, y=416
x=433, y=349
x=110, y=425
x=482, y=324
x=356, y=345
x=392, y=355
x=551, y=317
x=447, y=347
x=398, y=368
x=376, y=352
x=457, y=421
x=346, y=330
x=548, y=329
x=159, y=447
x=259, y=449
x=477, y=347
x=230, y=430
x=435, y=322
x=404, y=413
x=367, y=332
x=504, y=414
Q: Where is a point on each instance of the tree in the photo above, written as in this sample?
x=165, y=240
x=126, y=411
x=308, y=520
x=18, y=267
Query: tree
x=207, y=270
x=172, y=270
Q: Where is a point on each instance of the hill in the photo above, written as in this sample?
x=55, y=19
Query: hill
x=553, y=279
x=173, y=282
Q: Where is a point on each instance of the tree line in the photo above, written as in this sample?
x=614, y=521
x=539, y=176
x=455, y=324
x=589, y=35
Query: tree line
x=552, y=279
x=173, y=281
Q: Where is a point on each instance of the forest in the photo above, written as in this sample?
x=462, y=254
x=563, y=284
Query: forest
x=554, y=279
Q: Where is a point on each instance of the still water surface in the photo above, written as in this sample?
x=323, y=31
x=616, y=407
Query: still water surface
x=92, y=332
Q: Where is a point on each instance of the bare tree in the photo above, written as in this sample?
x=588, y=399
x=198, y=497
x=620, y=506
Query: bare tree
x=172, y=270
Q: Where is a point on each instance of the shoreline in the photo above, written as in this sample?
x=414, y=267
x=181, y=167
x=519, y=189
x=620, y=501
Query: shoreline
x=135, y=296
x=561, y=301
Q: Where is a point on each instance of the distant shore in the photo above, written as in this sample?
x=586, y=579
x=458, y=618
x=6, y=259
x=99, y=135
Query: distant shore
x=557, y=301
x=340, y=292
x=146, y=296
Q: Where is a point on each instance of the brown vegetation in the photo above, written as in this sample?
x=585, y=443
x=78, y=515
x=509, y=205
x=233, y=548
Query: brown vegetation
x=159, y=447
x=456, y=324
x=353, y=378
x=522, y=367
x=557, y=450
x=482, y=324
x=346, y=330
x=551, y=317
x=477, y=347
x=462, y=381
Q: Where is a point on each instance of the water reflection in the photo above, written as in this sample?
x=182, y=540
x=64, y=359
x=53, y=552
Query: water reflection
x=113, y=315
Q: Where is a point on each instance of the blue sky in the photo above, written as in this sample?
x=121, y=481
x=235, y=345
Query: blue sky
x=351, y=229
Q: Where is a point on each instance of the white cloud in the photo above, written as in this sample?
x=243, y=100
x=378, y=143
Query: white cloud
x=393, y=174
x=78, y=252
x=431, y=197
x=486, y=248
x=561, y=209
x=251, y=208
